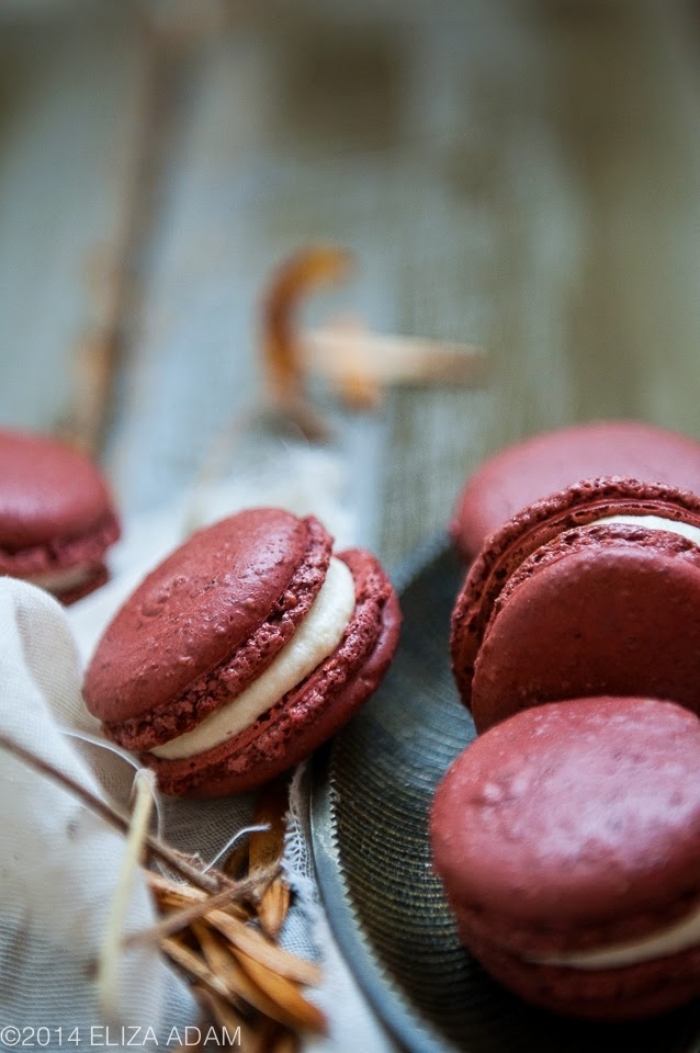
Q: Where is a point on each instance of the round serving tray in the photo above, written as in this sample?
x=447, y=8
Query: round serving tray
x=371, y=795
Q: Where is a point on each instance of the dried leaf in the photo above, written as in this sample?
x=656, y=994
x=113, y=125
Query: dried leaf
x=296, y=277
x=361, y=363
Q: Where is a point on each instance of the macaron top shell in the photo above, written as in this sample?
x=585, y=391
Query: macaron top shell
x=52, y=498
x=547, y=463
x=526, y=537
x=247, y=579
x=313, y=710
x=572, y=816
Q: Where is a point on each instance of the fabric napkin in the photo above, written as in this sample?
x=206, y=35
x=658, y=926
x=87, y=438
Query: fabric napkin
x=59, y=864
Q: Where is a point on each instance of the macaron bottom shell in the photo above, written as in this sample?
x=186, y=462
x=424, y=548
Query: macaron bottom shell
x=308, y=714
x=630, y=993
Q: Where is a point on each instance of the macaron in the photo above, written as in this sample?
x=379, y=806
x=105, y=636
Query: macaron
x=567, y=840
x=592, y=591
x=247, y=648
x=547, y=463
x=57, y=518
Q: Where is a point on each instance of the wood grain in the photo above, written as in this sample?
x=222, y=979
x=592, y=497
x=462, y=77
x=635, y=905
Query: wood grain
x=523, y=176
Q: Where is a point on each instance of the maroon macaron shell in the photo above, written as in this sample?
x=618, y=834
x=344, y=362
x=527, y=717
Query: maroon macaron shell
x=205, y=623
x=56, y=513
x=570, y=829
x=549, y=462
x=560, y=606
x=312, y=711
x=208, y=621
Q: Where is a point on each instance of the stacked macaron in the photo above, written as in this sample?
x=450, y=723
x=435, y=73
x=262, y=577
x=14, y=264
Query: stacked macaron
x=595, y=590
x=568, y=836
x=242, y=652
x=56, y=516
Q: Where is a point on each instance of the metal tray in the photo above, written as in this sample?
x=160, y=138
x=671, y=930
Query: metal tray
x=369, y=805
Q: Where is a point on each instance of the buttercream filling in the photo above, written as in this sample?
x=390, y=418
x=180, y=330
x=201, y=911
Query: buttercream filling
x=672, y=526
x=315, y=639
x=680, y=936
x=61, y=580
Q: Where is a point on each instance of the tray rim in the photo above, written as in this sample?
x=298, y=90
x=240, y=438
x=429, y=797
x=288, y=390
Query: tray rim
x=386, y=997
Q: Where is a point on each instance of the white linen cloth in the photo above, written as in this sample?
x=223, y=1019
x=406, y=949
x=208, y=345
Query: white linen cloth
x=59, y=864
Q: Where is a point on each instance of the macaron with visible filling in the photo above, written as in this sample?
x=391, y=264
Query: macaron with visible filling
x=57, y=519
x=547, y=463
x=241, y=653
x=593, y=591
x=568, y=843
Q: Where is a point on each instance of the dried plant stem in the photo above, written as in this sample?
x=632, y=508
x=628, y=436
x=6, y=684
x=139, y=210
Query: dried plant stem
x=294, y=1009
x=110, y=948
x=209, y=882
x=246, y=939
x=290, y=1009
x=197, y=908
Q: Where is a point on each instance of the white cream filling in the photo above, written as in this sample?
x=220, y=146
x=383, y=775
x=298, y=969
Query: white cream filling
x=314, y=640
x=672, y=526
x=60, y=580
x=677, y=937
x=683, y=934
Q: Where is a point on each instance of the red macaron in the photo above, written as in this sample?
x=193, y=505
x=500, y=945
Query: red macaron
x=57, y=519
x=568, y=600
x=568, y=842
x=547, y=463
x=242, y=652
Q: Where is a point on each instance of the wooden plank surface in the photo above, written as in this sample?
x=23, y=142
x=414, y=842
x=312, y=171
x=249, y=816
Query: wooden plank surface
x=70, y=97
x=523, y=176
x=520, y=175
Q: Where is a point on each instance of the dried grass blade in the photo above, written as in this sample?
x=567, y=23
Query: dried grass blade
x=284, y=994
x=294, y=280
x=222, y=962
x=249, y=941
x=194, y=965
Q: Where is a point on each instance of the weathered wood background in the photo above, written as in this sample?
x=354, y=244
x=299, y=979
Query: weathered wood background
x=522, y=174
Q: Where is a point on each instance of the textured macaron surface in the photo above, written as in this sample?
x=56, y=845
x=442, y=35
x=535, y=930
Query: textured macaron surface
x=601, y=610
x=312, y=711
x=572, y=826
x=547, y=463
x=55, y=509
x=560, y=532
x=204, y=623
